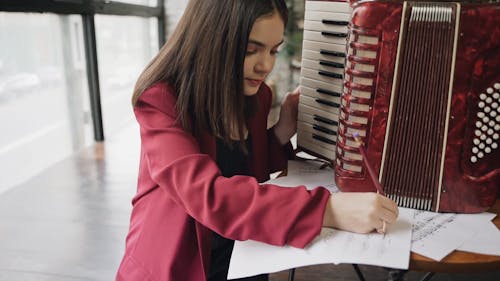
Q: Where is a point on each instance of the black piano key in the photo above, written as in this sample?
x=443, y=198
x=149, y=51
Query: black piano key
x=324, y=130
x=330, y=74
x=323, y=139
x=331, y=64
x=332, y=53
x=327, y=102
x=328, y=92
x=335, y=22
x=334, y=34
x=325, y=120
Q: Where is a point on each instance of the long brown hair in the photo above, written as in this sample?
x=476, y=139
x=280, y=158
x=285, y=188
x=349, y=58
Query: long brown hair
x=203, y=62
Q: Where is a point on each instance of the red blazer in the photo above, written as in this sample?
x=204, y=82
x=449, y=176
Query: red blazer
x=181, y=196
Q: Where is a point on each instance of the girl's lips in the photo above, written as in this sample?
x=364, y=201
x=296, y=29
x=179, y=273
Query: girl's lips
x=253, y=82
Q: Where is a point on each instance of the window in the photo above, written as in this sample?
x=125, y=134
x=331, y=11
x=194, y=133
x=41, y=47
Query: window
x=124, y=46
x=45, y=86
x=43, y=93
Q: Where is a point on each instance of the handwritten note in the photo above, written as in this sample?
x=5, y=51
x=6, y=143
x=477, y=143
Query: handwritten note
x=390, y=250
x=331, y=246
x=435, y=235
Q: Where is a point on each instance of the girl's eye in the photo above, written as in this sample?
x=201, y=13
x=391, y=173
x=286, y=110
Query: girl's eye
x=274, y=52
x=251, y=52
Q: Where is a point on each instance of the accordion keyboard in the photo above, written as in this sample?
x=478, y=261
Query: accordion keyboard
x=322, y=74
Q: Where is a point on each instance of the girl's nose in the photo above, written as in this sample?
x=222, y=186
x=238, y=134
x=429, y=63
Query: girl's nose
x=265, y=64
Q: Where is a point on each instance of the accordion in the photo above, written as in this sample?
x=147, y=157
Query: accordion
x=421, y=86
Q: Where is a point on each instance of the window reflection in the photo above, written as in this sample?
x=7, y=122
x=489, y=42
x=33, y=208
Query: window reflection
x=140, y=2
x=43, y=93
x=124, y=46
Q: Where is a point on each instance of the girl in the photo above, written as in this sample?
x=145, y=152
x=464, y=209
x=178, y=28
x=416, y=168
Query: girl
x=202, y=108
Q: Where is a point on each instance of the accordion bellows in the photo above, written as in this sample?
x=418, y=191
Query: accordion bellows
x=422, y=87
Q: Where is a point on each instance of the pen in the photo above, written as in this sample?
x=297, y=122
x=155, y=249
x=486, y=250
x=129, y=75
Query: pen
x=371, y=172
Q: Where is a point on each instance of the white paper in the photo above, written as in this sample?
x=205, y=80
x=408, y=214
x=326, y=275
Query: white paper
x=309, y=174
x=486, y=240
x=331, y=246
x=435, y=235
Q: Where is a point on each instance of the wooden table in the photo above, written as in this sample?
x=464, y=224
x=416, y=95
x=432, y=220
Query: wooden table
x=459, y=261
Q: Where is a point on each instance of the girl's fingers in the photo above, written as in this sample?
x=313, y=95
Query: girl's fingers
x=387, y=216
x=389, y=205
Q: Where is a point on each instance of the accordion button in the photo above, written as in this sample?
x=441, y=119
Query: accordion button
x=487, y=109
x=496, y=96
x=489, y=90
x=489, y=141
x=479, y=124
x=495, y=136
x=489, y=100
x=480, y=155
x=497, y=127
x=475, y=150
x=480, y=114
x=490, y=132
x=494, y=145
x=481, y=104
x=497, y=86
x=482, y=96
x=482, y=145
x=494, y=105
x=476, y=141
x=473, y=159
x=487, y=150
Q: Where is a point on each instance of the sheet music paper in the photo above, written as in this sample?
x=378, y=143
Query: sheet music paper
x=389, y=250
x=309, y=173
x=331, y=246
x=435, y=235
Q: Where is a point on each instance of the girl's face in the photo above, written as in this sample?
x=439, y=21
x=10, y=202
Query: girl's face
x=265, y=38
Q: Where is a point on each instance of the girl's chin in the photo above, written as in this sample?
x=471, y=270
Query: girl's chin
x=250, y=91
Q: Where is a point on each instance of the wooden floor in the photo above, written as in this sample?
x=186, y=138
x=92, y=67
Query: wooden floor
x=69, y=222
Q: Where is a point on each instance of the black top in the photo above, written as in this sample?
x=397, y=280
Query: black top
x=231, y=161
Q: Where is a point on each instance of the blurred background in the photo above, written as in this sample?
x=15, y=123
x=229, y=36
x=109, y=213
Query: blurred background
x=69, y=144
x=47, y=108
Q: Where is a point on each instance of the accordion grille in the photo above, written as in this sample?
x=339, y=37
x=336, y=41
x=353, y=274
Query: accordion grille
x=419, y=107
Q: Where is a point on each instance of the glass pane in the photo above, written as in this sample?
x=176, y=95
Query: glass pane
x=124, y=46
x=140, y=2
x=174, y=10
x=43, y=93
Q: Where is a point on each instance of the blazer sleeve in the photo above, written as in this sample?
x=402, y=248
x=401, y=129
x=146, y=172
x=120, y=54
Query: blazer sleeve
x=237, y=207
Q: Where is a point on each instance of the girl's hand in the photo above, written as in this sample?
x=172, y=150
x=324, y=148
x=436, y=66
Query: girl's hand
x=359, y=212
x=286, y=126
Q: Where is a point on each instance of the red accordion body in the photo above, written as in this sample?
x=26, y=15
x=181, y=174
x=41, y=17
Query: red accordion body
x=422, y=87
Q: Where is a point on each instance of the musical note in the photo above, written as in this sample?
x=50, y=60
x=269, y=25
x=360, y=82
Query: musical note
x=435, y=235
